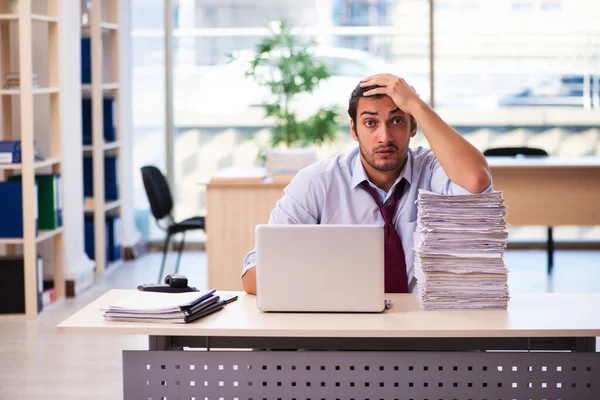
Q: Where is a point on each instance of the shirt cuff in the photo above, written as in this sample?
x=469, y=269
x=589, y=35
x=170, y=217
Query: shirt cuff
x=247, y=268
x=249, y=262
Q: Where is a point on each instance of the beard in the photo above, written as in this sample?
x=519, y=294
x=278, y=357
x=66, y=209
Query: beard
x=390, y=163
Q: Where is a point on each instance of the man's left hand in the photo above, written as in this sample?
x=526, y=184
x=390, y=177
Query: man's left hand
x=404, y=95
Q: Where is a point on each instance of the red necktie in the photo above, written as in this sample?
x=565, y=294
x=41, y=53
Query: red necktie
x=396, y=280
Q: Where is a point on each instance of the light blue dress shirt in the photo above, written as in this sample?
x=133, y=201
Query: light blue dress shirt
x=329, y=192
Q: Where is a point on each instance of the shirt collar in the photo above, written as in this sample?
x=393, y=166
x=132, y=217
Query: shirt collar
x=359, y=174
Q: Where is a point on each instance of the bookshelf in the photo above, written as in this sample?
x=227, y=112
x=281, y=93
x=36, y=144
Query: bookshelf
x=20, y=25
x=100, y=23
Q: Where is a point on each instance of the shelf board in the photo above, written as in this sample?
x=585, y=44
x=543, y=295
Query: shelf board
x=42, y=235
x=46, y=90
x=44, y=18
x=110, y=86
x=13, y=317
x=108, y=206
x=112, y=145
x=38, y=164
x=112, y=205
x=34, y=17
x=109, y=26
x=106, y=147
x=48, y=162
x=45, y=235
x=105, y=86
x=22, y=317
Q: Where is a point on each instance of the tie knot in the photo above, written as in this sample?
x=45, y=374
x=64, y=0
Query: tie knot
x=387, y=212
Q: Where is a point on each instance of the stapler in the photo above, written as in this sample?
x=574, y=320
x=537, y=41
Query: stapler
x=174, y=283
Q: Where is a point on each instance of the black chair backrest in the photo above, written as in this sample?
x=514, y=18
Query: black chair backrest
x=514, y=151
x=157, y=190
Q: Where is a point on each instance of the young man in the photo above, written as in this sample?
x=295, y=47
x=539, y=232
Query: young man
x=378, y=182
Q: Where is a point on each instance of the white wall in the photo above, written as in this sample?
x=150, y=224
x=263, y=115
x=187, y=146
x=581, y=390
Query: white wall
x=76, y=261
x=130, y=234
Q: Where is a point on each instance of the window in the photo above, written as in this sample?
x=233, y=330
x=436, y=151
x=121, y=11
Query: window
x=490, y=69
x=551, y=5
x=492, y=60
x=217, y=116
x=148, y=94
x=522, y=5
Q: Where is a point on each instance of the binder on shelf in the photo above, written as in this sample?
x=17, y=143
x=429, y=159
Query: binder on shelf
x=49, y=200
x=108, y=114
x=108, y=120
x=12, y=291
x=11, y=209
x=86, y=60
x=113, y=223
x=86, y=121
x=111, y=189
x=89, y=236
x=10, y=152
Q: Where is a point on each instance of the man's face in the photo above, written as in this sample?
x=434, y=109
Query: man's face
x=383, y=133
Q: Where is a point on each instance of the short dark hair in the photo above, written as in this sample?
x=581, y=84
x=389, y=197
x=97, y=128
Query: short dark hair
x=359, y=92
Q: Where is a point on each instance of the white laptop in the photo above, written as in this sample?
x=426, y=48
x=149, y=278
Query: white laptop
x=320, y=268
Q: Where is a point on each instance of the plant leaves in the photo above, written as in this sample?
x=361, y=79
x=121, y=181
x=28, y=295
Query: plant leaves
x=286, y=67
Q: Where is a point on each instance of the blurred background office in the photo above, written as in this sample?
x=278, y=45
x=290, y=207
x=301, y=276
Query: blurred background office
x=505, y=73
x=176, y=96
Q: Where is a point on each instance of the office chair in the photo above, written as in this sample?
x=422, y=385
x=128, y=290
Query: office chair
x=515, y=151
x=161, y=204
x=526, y=152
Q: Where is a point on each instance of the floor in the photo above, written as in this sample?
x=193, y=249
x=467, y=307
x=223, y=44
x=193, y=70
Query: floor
x=36, y=363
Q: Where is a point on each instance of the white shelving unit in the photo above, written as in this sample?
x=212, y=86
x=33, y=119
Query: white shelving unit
x=103, y=25
x=19, y=18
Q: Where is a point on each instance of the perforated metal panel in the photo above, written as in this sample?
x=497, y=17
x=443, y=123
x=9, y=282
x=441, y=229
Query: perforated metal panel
x=316, y=375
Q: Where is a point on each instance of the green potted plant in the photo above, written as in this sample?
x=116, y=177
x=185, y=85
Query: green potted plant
x=285, y=65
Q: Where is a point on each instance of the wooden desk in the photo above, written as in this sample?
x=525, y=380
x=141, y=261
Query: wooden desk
x=543, y=191
x=549, y=191
x=528, y=315
x=541, y=322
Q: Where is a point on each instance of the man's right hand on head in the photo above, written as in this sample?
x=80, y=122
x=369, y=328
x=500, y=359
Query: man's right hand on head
x=403, y=94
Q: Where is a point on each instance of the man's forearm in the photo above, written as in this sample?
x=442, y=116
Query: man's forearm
x=249, y=281
x=462, y=162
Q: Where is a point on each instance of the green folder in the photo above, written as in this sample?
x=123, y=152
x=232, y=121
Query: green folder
x=49, y=200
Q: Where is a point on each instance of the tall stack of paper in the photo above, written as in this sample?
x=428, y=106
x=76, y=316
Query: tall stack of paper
x=459, y=244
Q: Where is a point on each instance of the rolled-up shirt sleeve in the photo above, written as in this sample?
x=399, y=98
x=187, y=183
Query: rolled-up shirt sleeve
x=299, y=205
x=440, y=183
